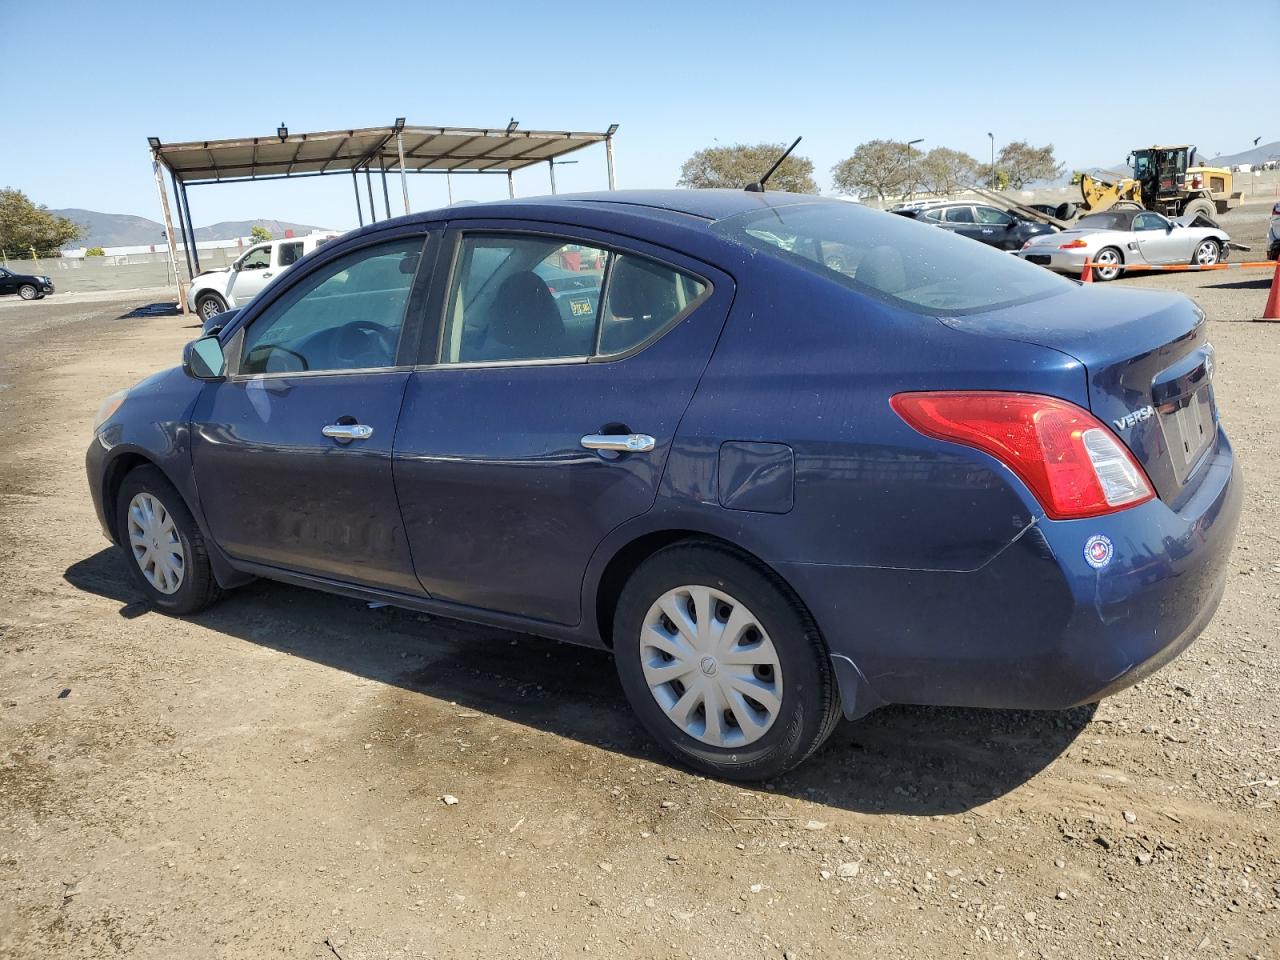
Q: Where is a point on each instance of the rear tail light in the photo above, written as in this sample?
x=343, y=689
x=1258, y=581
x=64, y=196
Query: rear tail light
x=1073, y=245
x=1072, y=463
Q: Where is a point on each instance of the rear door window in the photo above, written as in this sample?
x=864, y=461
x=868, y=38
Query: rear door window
x=959, y=215
x=522, y=297
x=288, y=253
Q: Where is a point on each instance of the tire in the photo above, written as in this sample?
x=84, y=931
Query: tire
x=209, y=305
x=1066, y=210
x=143, y=491
x=1111, y=260
x=28, y=291
x=738, y=591
x=1207, y=253
x=1197, y=207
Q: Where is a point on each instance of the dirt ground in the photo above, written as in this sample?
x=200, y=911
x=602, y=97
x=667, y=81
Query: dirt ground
x=265, y=779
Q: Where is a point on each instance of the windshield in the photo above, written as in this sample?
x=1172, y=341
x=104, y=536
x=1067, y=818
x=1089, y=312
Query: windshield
x=910, y=264
x=1103, y=221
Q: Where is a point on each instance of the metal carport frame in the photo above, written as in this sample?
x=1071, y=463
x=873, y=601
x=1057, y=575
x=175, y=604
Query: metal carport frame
x=394, y=149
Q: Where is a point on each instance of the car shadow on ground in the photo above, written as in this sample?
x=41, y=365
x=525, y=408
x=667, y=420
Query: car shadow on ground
x=900, y=759
x=1261, y=283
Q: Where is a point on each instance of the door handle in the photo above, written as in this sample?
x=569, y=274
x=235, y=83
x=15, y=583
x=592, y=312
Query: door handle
x=347, y=431
x=266, y=276
x=620, y=443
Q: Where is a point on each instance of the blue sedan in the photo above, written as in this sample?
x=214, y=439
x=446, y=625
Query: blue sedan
x=788, y=458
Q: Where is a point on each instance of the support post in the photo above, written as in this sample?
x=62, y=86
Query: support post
x=182, y=224
x=511, y=185
x=186, y=205
x=608, y=158
x=355, y=182
x=386, y=197
x=448, y=182
x=168, y=233
x=404, y=180
x=551, y=168
x=368, y=182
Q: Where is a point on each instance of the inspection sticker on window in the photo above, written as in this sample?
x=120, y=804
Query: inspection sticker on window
x=580, y=307
x=1098, y=551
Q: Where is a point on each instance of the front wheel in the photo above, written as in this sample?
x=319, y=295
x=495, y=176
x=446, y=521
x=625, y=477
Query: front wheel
x=163, y=545
x=28, y=292
x=722, y=664
x=1208, y=252
x=209, y=306
x=1108, y=264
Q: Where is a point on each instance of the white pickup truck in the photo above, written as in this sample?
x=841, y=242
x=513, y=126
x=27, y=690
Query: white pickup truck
x=216, y=291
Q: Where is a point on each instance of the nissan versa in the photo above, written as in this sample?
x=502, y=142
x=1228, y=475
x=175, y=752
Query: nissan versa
x=788, y=458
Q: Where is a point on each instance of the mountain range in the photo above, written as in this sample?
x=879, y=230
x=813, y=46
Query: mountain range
x=123, y=230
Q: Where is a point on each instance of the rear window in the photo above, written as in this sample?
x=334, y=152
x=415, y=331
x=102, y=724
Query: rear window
x=1104, y=221
x=912, y=265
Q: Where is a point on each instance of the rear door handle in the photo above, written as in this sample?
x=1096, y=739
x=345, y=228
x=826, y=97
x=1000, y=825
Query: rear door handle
x=621, y=443
x=266, y=276
x=347, y=431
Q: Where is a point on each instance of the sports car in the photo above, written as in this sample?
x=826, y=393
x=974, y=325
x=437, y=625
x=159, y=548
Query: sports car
x=1113, y=239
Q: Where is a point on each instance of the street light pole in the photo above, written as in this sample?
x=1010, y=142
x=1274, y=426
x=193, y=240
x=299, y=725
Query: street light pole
x=910, y=183
x=992, y=169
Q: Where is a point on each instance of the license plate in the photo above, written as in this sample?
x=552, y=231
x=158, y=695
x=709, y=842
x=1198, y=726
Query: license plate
x=580, y=308
x=1189, y=429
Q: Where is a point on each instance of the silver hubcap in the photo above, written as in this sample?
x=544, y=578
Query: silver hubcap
x=711, y=666
x=1207, y=253
x=209, y=309
x=27, y=293
x=153, y=538
x=1107, y=264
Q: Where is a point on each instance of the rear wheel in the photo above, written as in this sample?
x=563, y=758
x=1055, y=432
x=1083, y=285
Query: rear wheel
x=209, y=305
x=163, y=546
x=1197, y=207
x=722, y=664
x=1108, y=264
x=1208, y=252
x=28, y=291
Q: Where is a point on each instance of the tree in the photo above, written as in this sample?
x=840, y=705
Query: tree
x=95, y=252
x=259, y=234
x=1021, y=163
x=24, y=226
x=877, y=167
x=942, y=170
x=736, y=166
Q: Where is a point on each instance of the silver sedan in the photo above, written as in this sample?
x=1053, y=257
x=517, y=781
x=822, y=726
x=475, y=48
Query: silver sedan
x=1113, y=238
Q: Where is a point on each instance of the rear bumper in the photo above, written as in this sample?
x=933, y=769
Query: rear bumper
x=1036, y=627
x=1060, y=261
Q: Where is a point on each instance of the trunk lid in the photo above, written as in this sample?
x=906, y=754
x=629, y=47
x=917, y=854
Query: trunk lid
x=1148, y=364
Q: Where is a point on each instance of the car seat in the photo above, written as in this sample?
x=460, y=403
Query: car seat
x=524, y=321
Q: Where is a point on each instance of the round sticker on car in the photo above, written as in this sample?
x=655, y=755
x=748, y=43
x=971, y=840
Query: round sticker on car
x=1098, y=551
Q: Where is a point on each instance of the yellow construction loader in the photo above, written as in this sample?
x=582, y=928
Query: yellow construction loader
x=1167, y=180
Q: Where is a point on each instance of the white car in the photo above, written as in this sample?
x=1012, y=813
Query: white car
x=1116, y=237
x=1273, y=235
x=216, y=291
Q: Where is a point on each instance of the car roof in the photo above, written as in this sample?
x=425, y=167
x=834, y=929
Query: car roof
x=704, y=204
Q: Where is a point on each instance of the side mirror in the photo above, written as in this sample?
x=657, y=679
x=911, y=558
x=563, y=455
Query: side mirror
x=203, y=359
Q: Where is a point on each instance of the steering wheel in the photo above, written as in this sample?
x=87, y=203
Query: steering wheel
x=362, y=343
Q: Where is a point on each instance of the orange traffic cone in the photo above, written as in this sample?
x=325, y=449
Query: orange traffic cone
x=1086, y=275
x=1272, y=310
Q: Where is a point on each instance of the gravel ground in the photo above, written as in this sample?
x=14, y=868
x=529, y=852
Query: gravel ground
x=266, y=779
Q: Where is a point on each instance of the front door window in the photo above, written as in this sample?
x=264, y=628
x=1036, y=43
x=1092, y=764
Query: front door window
x=346, y=315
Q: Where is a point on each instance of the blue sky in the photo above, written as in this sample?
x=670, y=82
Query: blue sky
x=675, y=76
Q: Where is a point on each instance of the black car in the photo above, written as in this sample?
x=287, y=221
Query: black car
x=978, y=221
x=26, y=286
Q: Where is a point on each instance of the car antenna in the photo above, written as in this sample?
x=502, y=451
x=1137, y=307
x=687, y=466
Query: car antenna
x=758, y=186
